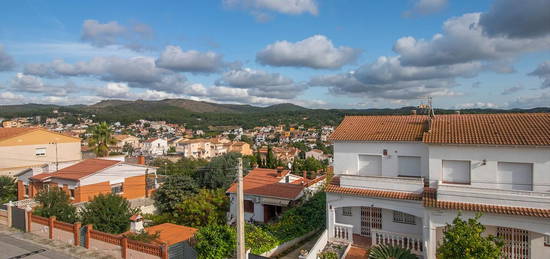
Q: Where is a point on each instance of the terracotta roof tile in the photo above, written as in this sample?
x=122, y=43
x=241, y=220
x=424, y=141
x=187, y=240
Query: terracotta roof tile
x=78, y=170
x=491, y=129
x=6, y=133
x=373, y=193
x=265, y=182
x=171, y=233
x=380, y=128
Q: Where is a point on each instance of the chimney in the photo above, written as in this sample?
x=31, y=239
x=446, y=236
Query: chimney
x=413, y=112
x=141, y=160
x=136, y=223
x=279, y=171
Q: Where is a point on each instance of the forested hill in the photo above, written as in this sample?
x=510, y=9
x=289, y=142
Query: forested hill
x=197, y=114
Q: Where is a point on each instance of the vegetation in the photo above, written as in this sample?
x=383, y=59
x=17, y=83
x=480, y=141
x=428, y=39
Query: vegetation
x=390, y=252
x=205, y=208
x=215, y=241
x=328, y=255
x=128, y=149
x=55, y=202
x=143, y=236
x=8, y=189
x=465, y=239
x=184, y=166
x=259, y=240
x=175, y=190
x=221, y=172
x=108, y=213
x=101, y=139
x=309, y=164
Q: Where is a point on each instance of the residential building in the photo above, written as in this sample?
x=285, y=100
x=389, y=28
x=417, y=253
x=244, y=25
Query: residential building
x=10, y=124
x=401, y=179
x=195, y=148
x=268, y=192
x=239, y=147
x=155, y=147
x=23, y=148
x=126, y=139
x=317, y=154
x=88, y=178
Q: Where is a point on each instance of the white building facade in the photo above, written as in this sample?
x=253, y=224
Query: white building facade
x=401, y=179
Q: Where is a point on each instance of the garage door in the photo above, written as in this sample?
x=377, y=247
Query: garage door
x=370, y=165
x=409, y=166
x=515, y=176
x=455, y=171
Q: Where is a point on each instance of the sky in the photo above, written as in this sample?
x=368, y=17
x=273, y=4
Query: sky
x=314, y=53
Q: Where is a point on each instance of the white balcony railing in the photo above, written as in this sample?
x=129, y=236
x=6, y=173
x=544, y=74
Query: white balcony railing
x=342, y=233
x=383, y=183
x=492, y=196
x=411, y=242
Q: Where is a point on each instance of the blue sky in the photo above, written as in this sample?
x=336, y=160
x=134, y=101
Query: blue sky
x=315, y=53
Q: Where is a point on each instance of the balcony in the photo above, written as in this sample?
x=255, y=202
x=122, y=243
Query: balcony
x=492, y=196
x=383, y=183
x=411, y=242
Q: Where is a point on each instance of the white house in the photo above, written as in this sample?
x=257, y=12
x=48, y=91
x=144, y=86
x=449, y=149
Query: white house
x=155, y=147
x=400, y=179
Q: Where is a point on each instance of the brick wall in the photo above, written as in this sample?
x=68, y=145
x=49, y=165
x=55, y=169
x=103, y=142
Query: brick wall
x=134, y=187
x=87, y=192
x=20, y=190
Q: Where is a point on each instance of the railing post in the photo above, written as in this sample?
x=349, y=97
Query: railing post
x=76, y=232
x=51, y=222
x=28, y=220
x=164, y=251
x=89, y=228
x=124, y=247
x=9, y=211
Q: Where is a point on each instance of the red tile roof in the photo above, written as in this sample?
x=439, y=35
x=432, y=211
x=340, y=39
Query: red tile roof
x=380, y=128
x=6, y=133
x=480, y=129
x=171, y=233
x=78, y=170
x=374, y=193
x=265, y=182
x=493, y=129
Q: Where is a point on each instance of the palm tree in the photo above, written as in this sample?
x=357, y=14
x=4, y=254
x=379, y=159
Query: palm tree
x=101, y=139
x=8, y=189
x=390, y=252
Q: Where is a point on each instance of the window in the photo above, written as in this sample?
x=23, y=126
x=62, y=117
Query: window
x=26, y=191
x=409, y=166
x=455, y=171
x=72, y=193
x=41, y=151
x=117, y=188
x=346, y=211
x=515, y=176
x=370, y=165
x=404, y=218
x=248, y=206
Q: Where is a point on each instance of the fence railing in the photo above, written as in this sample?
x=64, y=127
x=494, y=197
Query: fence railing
x=411, y=242
x=343, y=233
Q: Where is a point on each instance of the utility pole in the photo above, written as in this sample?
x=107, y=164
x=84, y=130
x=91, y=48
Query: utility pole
x=240, y=212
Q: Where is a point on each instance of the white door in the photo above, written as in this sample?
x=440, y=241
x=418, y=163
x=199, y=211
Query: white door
x=370, y=165
x=371, y=217
x=409, y=166
x=515, y=176
x=456, y=171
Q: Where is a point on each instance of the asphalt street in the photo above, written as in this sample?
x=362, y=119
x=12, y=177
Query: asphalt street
x=11, y=247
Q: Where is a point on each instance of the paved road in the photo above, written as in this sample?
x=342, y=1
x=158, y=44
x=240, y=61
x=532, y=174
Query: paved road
x=15, y=248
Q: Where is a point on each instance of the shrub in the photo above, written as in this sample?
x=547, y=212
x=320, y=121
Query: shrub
x=174, y=191
x=258, y=240
x=328, y=255
x=143, y=236
x=108, y=213
x=8, y=189
x=215, y=241
x=55, y=202
x=390, y=252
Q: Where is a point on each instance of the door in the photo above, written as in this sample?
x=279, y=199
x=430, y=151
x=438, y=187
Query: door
x=18, y=218
x=370, y=165
x=516, y=242
x=370, y=218
x=515, y=176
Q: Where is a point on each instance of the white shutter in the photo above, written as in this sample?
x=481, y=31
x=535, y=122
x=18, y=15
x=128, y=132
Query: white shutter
x=515, y=176
x=455, y=171
x=409, y=165
x=370, y=165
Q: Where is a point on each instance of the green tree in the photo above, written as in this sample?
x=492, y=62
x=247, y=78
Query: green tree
x=309, y=164
x=215, y=241
x=8, y=189
x=101, y=139
x=204, y=208
x=220, y=172
x=270, y=160
x=55, y=202
x=184, y=166
x=108, y=213
x=128, y=149
x=259, y=160
x=465, y=239
x=258, y=240
x=173, y=191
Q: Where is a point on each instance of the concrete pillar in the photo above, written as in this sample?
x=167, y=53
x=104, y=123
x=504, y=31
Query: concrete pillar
x=89, y=228
x=124, y=247
x=429, y=237
x=51, y=223
x=331, y=219
x=76, y=232
x=28, y=219
x=9, y=211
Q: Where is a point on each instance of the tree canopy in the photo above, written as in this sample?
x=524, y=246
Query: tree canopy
x=465, y=239
x=215, y=241
x=8, y=189
x=108, y=213
x=55, y=202
x=173, y=191
x=204, y=208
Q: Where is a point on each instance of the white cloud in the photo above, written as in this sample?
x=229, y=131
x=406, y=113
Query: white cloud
x=6, y=61
x=543, y=72
x=477, y=105
x=7, y=97
x=293, y=7
x=102, y=34
x=517, y=19
x=175, y=59
x=532, y=101
x=425, y=7
x=314, y=52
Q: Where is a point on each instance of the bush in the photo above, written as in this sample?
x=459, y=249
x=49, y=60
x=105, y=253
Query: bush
x=216, y=241
x=8, y=189
x=204, y=208
x=143, y=236
x=55, y=202
x=108, y=213
x=390, y=252
x=328, y=255
x=258, y=240
x=173, y=191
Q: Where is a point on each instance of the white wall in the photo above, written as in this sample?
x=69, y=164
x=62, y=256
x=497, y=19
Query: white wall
x=346, y=155
x=387, y=222
x=258, y=214
x=486, y=175
x=116, y=174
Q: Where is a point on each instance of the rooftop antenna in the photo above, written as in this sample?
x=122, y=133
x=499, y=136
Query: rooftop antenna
x=428, y=106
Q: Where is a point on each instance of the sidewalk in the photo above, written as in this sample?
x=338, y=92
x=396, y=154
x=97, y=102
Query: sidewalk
x=52, y=245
